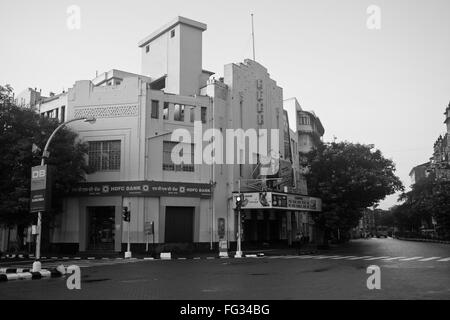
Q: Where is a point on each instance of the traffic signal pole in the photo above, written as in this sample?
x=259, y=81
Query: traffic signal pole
x=128, y=219
x=238, y=249
x=238, y=208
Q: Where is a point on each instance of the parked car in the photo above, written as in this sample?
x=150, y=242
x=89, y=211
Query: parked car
x=382, y=231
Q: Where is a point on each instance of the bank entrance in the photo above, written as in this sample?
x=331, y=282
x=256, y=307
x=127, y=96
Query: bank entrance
x=101, y=228
x=179, y=225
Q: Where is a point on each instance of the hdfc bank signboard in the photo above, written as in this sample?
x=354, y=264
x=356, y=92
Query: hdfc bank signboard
x=278, y=200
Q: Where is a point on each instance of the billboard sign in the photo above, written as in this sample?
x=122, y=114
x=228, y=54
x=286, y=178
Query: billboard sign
x=279, y=200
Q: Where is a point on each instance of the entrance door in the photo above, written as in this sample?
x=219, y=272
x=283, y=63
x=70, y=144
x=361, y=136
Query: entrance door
x=101, y=228
x=179, y=225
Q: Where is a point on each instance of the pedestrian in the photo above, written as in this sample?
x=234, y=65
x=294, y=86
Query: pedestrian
x=298, y=241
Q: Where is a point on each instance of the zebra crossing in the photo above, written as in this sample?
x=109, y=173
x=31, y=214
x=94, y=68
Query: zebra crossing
x=363, y=258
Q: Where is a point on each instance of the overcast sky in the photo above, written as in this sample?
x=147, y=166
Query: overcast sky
x=388, y=87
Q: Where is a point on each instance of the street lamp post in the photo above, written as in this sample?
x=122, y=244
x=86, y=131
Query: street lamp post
x=45, y=154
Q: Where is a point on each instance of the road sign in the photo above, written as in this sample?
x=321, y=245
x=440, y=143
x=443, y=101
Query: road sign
x=38, y=188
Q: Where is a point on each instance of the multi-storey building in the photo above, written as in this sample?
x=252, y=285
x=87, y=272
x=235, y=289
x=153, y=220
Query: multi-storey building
x=28, y=98
x=419, y=172
x=440, y=161
x=190, y=203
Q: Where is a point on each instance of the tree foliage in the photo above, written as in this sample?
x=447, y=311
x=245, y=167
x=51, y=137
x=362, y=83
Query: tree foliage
x=20, y=128
x=428, y=201
x=348, y=177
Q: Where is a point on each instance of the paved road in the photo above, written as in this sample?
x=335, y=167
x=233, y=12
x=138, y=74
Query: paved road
x=409, y=270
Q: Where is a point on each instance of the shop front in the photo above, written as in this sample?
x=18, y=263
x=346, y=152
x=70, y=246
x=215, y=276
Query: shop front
x=92, y=220
x=272, y=219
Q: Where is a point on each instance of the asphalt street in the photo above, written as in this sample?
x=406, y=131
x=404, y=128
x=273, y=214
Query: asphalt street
x=408, y=270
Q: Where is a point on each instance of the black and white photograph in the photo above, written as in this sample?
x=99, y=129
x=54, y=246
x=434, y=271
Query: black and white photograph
x=224, y=157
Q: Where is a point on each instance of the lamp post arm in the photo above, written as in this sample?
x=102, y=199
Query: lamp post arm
x=44, y=153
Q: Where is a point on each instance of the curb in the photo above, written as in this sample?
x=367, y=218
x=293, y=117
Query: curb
x=21, y=274
x=423, y=240
x=65, y=258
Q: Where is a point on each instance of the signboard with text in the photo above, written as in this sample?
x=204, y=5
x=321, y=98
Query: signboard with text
x=142, y=189
x=38, y=188
x=279, y=200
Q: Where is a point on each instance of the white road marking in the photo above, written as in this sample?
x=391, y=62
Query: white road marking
x=444, y=260
x=376, y=258
x=429, y=259
x=344, y=257
x=324, y=257
x=409, y=259
x=358, y=258
x=393, y=258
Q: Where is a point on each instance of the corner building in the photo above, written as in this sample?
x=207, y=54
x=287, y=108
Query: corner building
x=191, y=206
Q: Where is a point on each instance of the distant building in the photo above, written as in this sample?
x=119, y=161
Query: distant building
x=419, y=172
x=440, y=161
x=28, y=98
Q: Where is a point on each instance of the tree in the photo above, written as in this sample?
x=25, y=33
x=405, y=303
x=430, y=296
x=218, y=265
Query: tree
x=428, y=201
x=20, y=129
x=348, y=178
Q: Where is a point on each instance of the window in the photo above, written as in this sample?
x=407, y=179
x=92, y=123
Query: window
x=56, y=114
x=63, y=113
x=147, y=48
x=104, y=155
x=168, y=165
x=304, y=120
x=178, y=112
x=203, y=114
x=166, y=111
x=155, y=109
x=172, y=33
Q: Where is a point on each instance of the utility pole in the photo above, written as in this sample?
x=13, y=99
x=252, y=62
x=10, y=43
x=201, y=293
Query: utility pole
x=45, y=154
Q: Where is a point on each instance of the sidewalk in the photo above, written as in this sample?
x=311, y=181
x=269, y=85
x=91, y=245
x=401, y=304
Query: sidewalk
x=422, y=240
x=306, y=249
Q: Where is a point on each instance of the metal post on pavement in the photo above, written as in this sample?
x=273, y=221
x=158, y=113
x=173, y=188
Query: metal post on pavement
x=128, y=253
x=238, y=249
x=38, y=236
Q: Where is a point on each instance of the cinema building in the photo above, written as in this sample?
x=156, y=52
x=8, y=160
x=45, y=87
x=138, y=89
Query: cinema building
x=190, y=205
